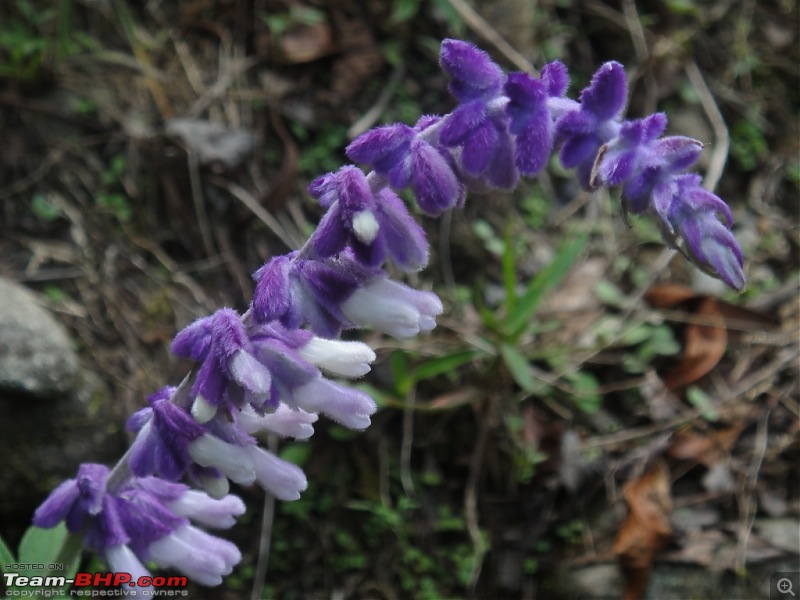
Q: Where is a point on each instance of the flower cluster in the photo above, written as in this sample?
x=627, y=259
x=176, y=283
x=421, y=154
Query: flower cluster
x=147, y=519
x=268, y=370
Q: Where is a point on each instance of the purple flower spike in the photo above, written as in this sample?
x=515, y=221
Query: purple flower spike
x=473, y=73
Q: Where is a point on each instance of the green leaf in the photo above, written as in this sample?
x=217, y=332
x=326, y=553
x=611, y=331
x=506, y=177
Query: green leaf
x=444, y=364
x=519, y=367
x=519, y=319
x=6, y=556
x=43, y=209
x=296, y=453
x=702, y=402
x=509, y=272
x=42, y=545
x=403, y=10
x=399, y=367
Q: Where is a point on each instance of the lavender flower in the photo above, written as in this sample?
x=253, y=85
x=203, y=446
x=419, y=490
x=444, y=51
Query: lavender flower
x=374, y=225
x=146, y=520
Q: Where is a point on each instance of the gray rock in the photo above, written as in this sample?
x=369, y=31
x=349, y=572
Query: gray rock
x=54, y=414
x=36, y=356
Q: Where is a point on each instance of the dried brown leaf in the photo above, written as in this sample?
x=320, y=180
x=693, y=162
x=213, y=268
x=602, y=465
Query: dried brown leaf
x=704, y=346
x=646, y=530
x=667, y=296
x=706, y=448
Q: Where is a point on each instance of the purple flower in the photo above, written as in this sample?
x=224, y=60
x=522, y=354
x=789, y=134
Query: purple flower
x=433, y=180
x=222, y=347
x=385, y=149
x=582, y=132
x=689, y=220
x=473, y=73
x=300, y=383
x=164, y=433
x=148, y=519
x=661, y=160
x=406, y=158
x=619, y=159
x=373, y=225
x=299, y=291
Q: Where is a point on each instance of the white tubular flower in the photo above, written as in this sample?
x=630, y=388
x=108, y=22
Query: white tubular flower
x=348, y=407
x=393, y=308
x=346, y=359
x=280, y=478
x=284, y=422
x=231, y=460
x=199, y=507
x=198, y=555
x=121, y=559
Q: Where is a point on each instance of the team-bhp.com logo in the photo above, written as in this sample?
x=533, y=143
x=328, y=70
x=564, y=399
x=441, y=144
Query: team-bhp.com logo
x=96, y=584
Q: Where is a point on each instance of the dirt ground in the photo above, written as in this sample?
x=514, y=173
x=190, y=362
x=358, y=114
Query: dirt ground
x=661, y=425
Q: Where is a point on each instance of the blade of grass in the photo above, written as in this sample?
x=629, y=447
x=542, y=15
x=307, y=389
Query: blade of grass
x=518, y=366
x=445, y=364
x=509, y=273
x=519, y=319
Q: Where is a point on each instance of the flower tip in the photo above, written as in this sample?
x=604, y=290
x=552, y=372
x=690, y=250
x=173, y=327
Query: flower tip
x=202, y=410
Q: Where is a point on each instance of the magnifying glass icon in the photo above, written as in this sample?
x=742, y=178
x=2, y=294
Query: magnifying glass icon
x=785, y=586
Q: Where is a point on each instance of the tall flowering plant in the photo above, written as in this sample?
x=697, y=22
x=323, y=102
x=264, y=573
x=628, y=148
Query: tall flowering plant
x=270, y=369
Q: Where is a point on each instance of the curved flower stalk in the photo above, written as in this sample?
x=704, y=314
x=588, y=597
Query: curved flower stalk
x=269, y=370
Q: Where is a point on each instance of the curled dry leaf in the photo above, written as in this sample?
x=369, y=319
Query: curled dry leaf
x=647, y=528
x=704, y=345
x=707, y=334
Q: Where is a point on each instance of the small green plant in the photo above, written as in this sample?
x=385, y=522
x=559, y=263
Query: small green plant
x=36, y=37
x=111, y=197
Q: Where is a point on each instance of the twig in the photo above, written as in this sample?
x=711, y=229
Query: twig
x=198, y=201
x=259, y=211
x=722, y=142
x=407, y=443
x=471, y=498
x=265, y=541
x=748, y=490
x=642, y=53
x=478, y=24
